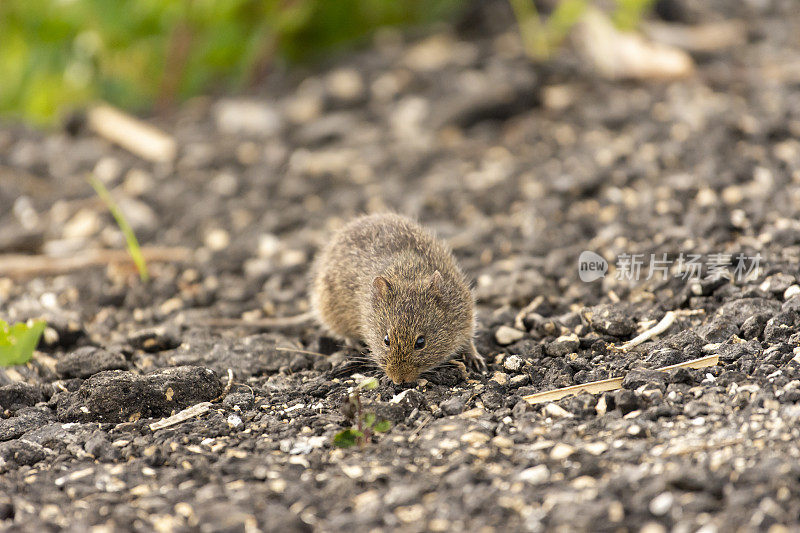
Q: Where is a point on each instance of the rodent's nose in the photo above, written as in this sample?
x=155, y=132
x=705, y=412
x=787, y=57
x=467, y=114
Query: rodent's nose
x=398, y=376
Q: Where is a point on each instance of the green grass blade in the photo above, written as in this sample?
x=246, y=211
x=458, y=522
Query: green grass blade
x=130, y=237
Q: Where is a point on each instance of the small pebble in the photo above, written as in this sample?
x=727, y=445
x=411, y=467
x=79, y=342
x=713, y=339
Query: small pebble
x=217, y=239
x=502, y=442
x=561, y=451
x=535, y=474
x=661, y=504
x=500, y=378
x=475, y=438
x=556, y=411
x=793, y=290
x=513, y=363
x=506, y=335
x=234, y=420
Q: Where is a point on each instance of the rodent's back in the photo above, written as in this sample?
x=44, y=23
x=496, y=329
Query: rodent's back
x=378, y=245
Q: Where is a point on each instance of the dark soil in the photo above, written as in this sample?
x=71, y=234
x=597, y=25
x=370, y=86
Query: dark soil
x=521, y=168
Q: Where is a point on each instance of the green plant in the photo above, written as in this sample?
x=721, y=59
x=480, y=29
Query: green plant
x=57, y=55
x=130, y=237
x=541, y=37
x=366, y=422
x=17, y=342
x=628, y=13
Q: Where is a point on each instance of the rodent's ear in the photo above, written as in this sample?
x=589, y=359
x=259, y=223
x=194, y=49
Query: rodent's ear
x=435, y=284
x=381, y=288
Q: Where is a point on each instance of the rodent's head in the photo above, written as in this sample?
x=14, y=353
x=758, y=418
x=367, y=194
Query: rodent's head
x=416, y=324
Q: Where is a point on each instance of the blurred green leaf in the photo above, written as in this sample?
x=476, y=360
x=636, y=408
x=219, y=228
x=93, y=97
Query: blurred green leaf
x=628, y=13
x=369, y=419
x=347, y=438
x=18, y=342
x=383, y=426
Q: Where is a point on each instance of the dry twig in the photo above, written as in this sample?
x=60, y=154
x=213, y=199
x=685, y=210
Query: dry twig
x=190, y=412
x=605, y=385
x=26, y=266
x=139, y=138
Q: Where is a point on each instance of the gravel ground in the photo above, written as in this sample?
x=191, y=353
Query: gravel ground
x=521, y=168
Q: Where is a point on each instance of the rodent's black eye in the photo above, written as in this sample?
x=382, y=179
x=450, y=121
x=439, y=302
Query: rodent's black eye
x=420, y=344
x=386, y=340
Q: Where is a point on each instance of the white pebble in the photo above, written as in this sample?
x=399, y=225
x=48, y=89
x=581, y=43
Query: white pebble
x=234, y=420
x=556, y=411
x=561, y=451
x=661, y=504
x=513, y=363
x=535, y=474
x=793, y=290
x=506, y=335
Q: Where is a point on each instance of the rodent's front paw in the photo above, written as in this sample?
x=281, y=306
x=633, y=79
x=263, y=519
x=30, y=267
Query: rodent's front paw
x=473, y=359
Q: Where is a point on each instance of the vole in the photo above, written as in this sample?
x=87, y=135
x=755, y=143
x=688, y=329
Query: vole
x=386, y=281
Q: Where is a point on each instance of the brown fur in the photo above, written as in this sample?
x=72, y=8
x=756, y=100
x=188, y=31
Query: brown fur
x=384, y=274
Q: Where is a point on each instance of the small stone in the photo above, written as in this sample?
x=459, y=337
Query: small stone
x=506, y=335
x=563, y=345
x=137, y=182
x=306, y=103
x=596, y=448
x=501, y=378
x=513, y=363
x=519, y=380
x=234, y=420
x=224, y=184
x=616, y=511
x=353, y=471
x=778, y=283
x=653, y=527
x=475, y=438
x=781, y=326
x=246, y=117
x=641, y=376
x=635, y=431
x=108, y=169
x=561, y=451
x=217, y=239
x=741, y=309
x=502, y=442
x=155, y=339
x=602, y=406
x=20, y=394
x=535, y=475
x=610, y=319
x=82, y=225
x=556, y=411
x=753, y=327
x=626, y=401
x=89, y=360
x=717, y=331
x=453, y=406
x=101, y=449
x=411, y=514
x=345, y=84
x=662, y=503
x=791, y=291
x=431, y=54
x=696, y=408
